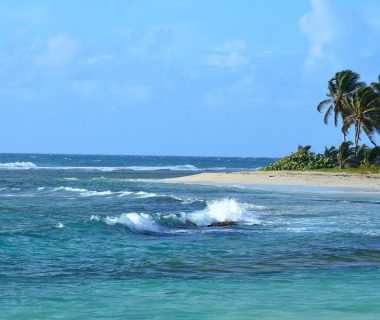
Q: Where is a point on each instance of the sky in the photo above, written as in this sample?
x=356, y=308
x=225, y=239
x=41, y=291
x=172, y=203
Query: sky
x=177, y=77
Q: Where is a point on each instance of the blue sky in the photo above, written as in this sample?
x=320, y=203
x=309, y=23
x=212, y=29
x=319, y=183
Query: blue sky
x=190, y=77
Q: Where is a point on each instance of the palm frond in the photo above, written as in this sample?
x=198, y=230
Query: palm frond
x=327, y=114
x=323, y=103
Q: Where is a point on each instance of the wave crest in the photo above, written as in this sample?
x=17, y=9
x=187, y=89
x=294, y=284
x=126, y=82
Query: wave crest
x=140, y=222
x=18, y=166
x=84, y=192
x=225, y=210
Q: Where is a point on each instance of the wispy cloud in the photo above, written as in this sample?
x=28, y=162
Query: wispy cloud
x=320, y=28
x=59, y=51
x=228, y=55
x=339, y=35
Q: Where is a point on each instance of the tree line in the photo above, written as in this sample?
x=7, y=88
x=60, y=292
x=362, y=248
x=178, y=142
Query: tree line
x=353, y=103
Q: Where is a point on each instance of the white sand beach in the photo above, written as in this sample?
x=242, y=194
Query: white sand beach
x=286, y=178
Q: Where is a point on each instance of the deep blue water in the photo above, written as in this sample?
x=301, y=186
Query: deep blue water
x=85, y=237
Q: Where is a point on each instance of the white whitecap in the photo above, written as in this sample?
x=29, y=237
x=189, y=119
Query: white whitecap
x=60, y=225
x=140, y=222
x=225, y=210
x=84, y=192
x=142, y=194
x=18, y=166
x=96, y=193
x=69, y=189
x=71, y=179
x=124, y=193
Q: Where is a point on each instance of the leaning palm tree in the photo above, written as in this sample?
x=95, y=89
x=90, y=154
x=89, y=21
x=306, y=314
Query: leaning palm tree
x=342, y=84
x=376, y=86
x=346, y=154
x=362, y=110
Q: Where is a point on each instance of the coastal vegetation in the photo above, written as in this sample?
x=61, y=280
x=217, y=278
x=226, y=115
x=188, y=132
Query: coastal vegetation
x=353, y=104
x=343, y=157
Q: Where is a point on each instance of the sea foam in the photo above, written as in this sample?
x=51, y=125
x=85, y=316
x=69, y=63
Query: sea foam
x=84, y=192
x=143, y=194
x=140, y=222
x=18, y=166
x=223, y=211
x=216, y=211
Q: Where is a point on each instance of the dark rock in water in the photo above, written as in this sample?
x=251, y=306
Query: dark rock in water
x=223, y=224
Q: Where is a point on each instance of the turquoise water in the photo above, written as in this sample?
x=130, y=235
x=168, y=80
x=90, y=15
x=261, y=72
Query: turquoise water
x=85, y=237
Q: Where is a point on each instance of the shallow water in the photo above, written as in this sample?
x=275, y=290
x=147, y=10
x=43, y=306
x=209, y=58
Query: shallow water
x=100, y=237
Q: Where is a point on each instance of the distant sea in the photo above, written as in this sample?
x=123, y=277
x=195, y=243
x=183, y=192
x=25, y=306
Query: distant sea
x=101, y=237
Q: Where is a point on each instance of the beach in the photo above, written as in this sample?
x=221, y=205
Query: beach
x=286, y=178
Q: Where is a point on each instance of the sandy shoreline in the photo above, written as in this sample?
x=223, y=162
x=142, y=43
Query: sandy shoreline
x=286, y=178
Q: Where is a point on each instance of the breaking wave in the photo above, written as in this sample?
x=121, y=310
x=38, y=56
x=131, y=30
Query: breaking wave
x=18, y=166
x=140, y=222
x=84, y=192
x=225, y=210
x=142, y=194
x=124, y=193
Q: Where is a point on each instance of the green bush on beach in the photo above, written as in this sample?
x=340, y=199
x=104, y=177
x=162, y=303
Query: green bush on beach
x=343, y=157
x=302, y=159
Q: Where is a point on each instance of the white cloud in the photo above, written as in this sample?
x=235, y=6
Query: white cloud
x=319, y=26
x=228, y=55
x=60, y=51
x=340, y=35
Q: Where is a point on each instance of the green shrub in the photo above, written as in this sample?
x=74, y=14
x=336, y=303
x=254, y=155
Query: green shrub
x=303, y=159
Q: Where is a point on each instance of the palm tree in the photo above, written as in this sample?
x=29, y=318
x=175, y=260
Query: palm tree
x=346, y=154
x=371, y=156
x=361, y=152
x=376, y=86
x=304, y=149
x=362, y=109
x=331, y=153
x=342, y=84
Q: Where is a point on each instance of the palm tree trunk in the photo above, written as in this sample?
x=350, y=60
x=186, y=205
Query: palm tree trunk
x=357, y=135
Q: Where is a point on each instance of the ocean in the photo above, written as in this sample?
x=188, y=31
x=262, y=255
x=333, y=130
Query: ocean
x=101, y=237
